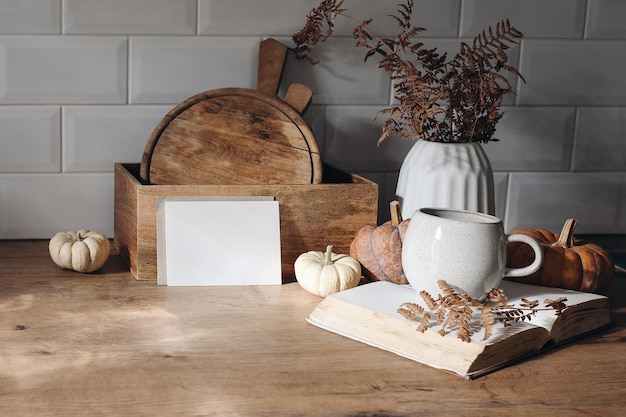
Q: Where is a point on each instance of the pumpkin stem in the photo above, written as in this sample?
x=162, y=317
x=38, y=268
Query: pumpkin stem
x=327, y=255
x=566, y=238
x=396, y=217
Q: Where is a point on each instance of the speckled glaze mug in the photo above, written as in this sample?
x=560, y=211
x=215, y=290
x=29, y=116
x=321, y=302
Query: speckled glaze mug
x=464, y=248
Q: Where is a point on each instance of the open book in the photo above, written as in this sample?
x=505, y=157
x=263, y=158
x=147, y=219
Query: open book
x=368, y=313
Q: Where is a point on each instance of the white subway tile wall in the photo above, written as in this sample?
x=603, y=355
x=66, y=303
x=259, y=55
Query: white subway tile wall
x=171, y=69
x=536, y=18
x=115, y=134
x=63, y=69
x=341, y=76
x=83, y=83
x=30, y=17
x=605, y=19
x=30, y=139
x=136, y=17
x=40, y=205
x=351, y=144
x=600, y=139
x=533, y=138
x=573, y=72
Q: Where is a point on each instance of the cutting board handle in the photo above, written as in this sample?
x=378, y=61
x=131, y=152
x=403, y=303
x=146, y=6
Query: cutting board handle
x=272, y=57
x=299, y=97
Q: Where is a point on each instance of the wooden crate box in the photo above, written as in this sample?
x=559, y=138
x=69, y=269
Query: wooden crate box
x=312, y=216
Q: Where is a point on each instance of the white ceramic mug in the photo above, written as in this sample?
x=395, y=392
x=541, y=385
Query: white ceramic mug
x=464, y=248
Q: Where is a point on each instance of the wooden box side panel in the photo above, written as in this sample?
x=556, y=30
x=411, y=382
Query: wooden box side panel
x=311, y=217
x=125, y=216
x=309, y=220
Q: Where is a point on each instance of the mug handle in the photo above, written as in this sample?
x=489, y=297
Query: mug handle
x=532, y=268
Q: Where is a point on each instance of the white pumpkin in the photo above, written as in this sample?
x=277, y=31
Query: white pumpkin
x=82, y=251
x=323, y=273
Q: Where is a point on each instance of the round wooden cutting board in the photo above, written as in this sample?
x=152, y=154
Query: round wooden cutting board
x=232, y=136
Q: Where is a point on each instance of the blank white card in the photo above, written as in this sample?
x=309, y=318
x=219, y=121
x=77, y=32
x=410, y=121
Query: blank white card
x=218, y=241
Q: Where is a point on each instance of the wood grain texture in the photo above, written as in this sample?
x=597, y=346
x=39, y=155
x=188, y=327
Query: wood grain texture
x=105, y=344
x=125, y=217
x=299, y=97
x=272, y=57
x=232, y=136
x=312, y=216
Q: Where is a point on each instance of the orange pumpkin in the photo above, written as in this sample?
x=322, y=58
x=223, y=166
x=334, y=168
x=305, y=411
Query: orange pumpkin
x=568, y=262
x=379, y=249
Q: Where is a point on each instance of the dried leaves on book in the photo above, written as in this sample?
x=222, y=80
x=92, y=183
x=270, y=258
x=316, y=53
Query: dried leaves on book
x=455, y=310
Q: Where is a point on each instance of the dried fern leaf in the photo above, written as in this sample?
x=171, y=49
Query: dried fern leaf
x=466, y=91
x=487, y=320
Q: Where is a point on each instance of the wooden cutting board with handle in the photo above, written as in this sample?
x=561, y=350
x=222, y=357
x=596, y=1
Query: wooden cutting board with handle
x=237, y=135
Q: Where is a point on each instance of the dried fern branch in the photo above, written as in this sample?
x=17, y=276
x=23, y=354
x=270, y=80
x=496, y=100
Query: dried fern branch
x=455, y=311
x=439, y=99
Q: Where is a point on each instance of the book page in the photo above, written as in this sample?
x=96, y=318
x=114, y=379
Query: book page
x=368, y=313
x=387, y=297
x=546, y=319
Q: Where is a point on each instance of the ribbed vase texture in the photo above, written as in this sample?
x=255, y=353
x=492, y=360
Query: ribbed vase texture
x=445, y=175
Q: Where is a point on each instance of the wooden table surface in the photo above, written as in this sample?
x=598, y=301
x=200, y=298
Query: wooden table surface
x=107, y=345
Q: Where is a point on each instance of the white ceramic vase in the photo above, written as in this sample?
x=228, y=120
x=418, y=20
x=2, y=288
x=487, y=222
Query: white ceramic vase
x=445, y=175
